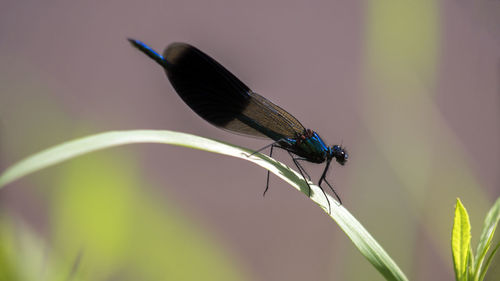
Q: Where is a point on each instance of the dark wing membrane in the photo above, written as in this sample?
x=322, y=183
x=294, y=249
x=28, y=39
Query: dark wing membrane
x=207, y=87
x=220, y=98
x=271, y=118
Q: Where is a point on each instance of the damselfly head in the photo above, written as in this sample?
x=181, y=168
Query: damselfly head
x=339, y=153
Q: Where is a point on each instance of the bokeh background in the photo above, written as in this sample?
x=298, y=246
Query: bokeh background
x=411, y=88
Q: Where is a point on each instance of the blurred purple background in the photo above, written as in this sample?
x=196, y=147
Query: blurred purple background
x=412, y=90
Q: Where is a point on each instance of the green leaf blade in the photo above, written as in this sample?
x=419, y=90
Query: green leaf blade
x=366, y=244
x=488, y=262
x=489, y=227
x=460, y=241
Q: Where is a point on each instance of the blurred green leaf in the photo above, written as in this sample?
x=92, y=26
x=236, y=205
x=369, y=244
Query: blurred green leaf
x=101, y=211
x=90, y=210
x=355, y=231
x=460, y=241
x=25, y=256
x=488, y=262
x=490, y=224
x=7, y=253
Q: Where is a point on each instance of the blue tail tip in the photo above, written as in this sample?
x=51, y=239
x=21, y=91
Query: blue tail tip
x=134, y=42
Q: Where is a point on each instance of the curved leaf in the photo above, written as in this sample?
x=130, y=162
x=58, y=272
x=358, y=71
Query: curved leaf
x=354, y=230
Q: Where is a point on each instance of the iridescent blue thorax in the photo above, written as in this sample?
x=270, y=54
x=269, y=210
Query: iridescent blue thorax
x=310, y=146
